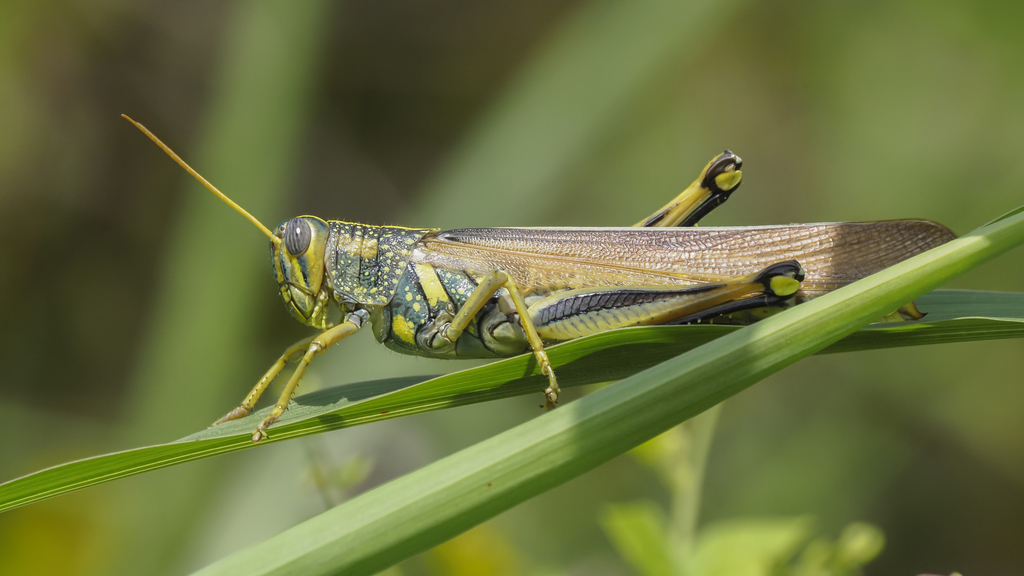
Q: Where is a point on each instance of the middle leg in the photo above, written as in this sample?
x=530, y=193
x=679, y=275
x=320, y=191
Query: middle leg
x=448, y=333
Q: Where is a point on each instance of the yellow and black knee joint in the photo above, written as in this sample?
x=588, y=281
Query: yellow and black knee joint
x=724, y=174
x=781, y=279
x=722, y=177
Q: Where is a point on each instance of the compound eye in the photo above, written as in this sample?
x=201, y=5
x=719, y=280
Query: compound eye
x=297, y=235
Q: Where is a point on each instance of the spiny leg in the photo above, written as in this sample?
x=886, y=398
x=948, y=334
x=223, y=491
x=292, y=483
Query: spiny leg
x=317, y=345
x=476, y=301
x=716, y=183
x=720, y=178
x=581, y=312
x=254, y=395
x=551, y=393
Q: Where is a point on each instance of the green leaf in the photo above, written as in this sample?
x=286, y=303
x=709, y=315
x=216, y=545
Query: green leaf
x=422, y=509
x=1013, y=212
x=953, y=316
x=858, y=544
x=638, y=531
x=748, y=547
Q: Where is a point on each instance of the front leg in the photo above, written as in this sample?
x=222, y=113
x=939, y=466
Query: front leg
x=257, y=391
x=325, y=340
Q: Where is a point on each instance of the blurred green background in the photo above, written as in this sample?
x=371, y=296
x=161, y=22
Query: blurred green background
x=138, y=309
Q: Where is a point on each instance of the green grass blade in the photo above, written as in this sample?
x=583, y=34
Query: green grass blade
x=201, y=330
x=251, y=148
x=953, y=316
x=427, y=507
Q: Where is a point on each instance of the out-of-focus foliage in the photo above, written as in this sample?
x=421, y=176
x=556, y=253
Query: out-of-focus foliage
x=841, y=111
x=660, y=543
x=742, y=547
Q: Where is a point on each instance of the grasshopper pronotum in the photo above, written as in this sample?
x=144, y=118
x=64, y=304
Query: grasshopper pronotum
x=493, y=292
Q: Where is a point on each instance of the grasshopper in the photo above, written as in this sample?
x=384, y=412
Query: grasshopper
x=496, y=292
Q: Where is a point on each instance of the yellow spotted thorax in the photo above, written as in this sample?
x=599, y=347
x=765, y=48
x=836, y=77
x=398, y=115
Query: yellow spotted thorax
x=365, y=263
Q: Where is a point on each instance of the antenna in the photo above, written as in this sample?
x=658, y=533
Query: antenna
x=205, y=182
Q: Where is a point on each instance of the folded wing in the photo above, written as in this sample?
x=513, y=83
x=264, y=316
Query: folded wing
x=833, y=254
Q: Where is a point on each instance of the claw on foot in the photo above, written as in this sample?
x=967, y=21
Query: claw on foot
x=551, y=398
x=261, y=430
x=551, y=393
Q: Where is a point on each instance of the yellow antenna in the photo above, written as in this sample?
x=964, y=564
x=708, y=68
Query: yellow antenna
x=206, y=183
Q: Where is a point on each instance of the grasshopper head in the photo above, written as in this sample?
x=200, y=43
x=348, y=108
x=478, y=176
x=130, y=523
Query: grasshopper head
x=297, y=250
x=299, y=267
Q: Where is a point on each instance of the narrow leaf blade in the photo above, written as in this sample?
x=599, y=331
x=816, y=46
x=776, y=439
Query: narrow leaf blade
x=953, y=316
